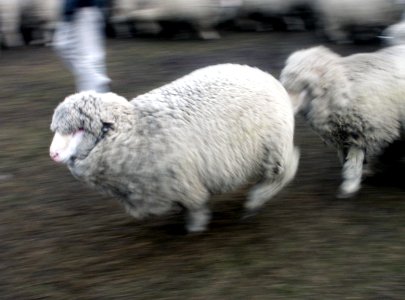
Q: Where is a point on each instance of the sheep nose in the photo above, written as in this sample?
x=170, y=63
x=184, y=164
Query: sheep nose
x=54, y=155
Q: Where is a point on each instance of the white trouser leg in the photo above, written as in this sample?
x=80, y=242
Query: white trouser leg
x=80, y=43
x=91, y=74
x=64, y=42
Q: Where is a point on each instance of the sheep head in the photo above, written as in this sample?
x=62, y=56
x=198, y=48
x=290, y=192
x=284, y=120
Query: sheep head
x=81, y=121
x=313, y=74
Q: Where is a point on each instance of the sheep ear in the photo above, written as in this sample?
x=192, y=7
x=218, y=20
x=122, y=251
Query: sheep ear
x=110, y=103
x=107, y=118
x=106, y=114
x=341, y=99
x=313, y=80
x=339, y=90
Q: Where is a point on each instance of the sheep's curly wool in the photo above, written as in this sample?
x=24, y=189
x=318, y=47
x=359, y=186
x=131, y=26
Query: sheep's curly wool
x=206, y=133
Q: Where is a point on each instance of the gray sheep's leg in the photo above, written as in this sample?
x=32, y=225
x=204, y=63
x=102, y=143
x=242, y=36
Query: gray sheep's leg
x=352, y=172
x=264, y=191
x=198, y=218
x=205, y=30
x=277, y=174
x=209, y=35
x=260, y=194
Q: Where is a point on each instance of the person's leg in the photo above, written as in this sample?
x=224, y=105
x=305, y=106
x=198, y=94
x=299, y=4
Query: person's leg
x=64, y=42
x=90, y=63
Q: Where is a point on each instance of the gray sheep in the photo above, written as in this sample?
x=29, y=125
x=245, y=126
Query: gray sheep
x=206, y=133
x=355, y=103
x=34, y=14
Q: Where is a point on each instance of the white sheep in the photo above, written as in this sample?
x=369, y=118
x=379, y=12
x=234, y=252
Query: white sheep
x=40, y=15
x=120, y=13
x=206, y=133
x=355, y=103
x=10, y=23
x=276, y=11
x=202, y=15
x=340, y=19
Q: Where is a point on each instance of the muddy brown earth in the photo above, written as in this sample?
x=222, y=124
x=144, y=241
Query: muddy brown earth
x=62, y=240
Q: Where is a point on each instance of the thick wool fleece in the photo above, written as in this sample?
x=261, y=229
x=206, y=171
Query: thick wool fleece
x=208, y=132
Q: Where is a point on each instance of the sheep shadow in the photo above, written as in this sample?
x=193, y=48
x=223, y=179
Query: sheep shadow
x=390, y=167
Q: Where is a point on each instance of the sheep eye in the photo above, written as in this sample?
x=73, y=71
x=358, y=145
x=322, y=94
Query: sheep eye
x=306, y=86
x=106, y=126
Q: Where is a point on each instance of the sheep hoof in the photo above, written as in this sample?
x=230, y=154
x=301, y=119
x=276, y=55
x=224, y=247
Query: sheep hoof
x=196, y=228
x=197, y=220
x=349, y=188
x=209, y=35
x=347, y=192
x=250, y=212
x=344, y=195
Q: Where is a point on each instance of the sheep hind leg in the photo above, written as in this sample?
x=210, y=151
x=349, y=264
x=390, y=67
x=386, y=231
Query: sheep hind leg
x=275, y=178
x=260, y=194
x=352, y=172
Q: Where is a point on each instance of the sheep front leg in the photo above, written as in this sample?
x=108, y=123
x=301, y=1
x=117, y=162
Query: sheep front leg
x=197, y=218
x=352, y=172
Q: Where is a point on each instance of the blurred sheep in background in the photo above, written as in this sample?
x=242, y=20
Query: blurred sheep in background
x=337, y=21
x=343, y=21
x=28, y=21
x=198, y=16
x=279, y=14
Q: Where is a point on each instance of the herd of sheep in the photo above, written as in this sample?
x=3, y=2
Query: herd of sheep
x=28, y=21
x=224, y=126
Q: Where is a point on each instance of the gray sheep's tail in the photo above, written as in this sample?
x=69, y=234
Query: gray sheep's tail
x=264, y=191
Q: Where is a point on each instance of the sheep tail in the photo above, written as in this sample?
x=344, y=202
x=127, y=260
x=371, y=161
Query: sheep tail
x=269, y=187
x=287, y=174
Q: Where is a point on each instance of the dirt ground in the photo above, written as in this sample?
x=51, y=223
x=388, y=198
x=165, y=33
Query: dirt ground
x=62, y=240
